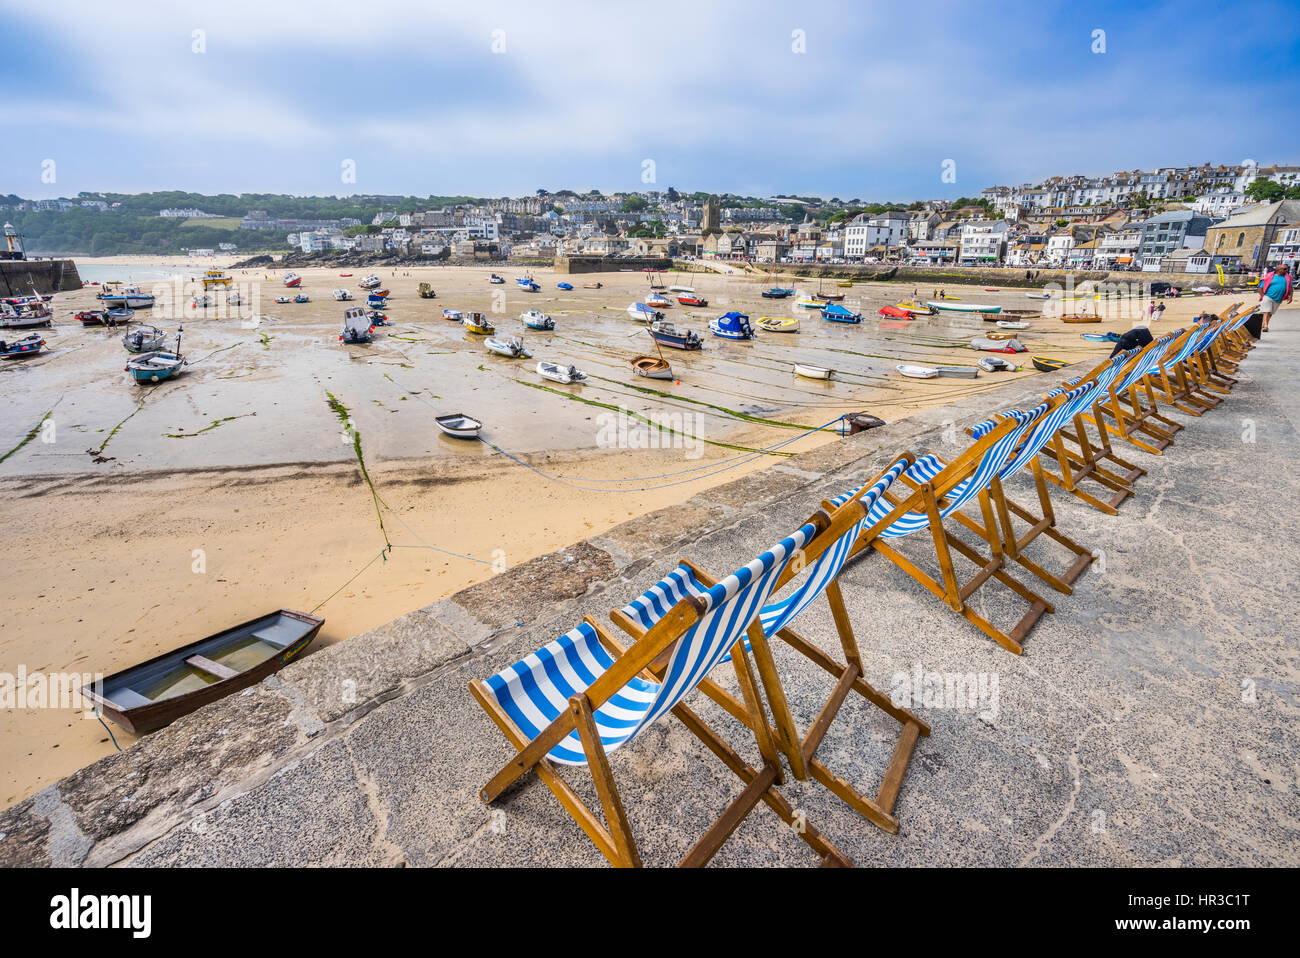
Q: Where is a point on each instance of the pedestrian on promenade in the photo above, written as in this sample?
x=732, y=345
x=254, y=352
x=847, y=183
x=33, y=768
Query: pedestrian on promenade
x=1274, y=289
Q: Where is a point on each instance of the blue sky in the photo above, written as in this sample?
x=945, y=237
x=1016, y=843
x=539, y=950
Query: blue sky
x=585, y=92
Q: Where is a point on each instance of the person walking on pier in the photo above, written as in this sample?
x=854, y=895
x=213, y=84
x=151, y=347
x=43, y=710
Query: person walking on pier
x=1274, y=289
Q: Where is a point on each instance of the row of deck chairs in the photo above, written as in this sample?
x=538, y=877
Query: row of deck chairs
x=588, y=693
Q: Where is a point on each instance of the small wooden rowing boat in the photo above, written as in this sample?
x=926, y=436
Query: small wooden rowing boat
x=861, y=422
x=1083, y=318
x=155, y=693
x=811, y=371
x=478, y=323
x=1045, y=364
x=1012, y=324
x=958, y=372
x=593, y=285
x=1039, y=295
x=566, y=375
x=459, y=426
x=917, y=372
x=777, y=324
x=1000, y=336
x=651, y=367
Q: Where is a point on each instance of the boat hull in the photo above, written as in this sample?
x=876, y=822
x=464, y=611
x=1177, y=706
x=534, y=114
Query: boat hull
x=144, y=719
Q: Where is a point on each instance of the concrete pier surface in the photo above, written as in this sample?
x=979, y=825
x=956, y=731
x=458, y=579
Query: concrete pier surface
x=1151, y=720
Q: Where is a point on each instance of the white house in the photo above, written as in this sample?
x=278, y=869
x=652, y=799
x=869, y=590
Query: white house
x=982, y=241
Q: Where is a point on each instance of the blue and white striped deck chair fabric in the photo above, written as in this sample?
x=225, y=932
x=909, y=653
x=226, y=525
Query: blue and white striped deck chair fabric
x=928, y=467
x=1046, y=427
x=1144, y=368
x=536, y=690
x=1103, y=381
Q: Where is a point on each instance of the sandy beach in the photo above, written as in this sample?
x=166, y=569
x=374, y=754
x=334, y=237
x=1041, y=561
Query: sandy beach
x=147, y=517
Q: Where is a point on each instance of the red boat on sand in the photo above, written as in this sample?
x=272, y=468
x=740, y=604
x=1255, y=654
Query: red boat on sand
x=688, y=299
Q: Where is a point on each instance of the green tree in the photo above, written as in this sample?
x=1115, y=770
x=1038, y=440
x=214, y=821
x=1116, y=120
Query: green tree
x=1265, y=191
x=635, y=204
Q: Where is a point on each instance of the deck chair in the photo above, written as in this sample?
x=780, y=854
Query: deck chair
x=1079, y=459
x=581, y=697
x=1178, y=376
x=823, y=561
x=1059, y=409
x=926, y=493
x=1122, y=412
x=1215, y=360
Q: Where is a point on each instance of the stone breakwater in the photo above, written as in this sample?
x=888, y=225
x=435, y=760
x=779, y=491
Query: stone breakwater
x=19, y=277
x=1107, y=747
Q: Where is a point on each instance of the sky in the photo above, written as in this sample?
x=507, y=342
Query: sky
x=835, y=99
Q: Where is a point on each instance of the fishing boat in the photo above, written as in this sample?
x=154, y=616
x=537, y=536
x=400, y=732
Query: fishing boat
x=775, y=293
x=593, y=285
x=29, y=345
x=657, y=301
x=357, y=326
x=565, y=375
x=304, y=298
x=651, y=367
x=216, y=277
x=691, y=299
x=963, y=308
x=804, y=301
x=116, y=317
x=154, y=694
x=144, y=340
x=536, y=319
x=130, y=296
x=777, y=324
x=918, y=372
x=527, y=284
x=643, y=312
x=378, y=319
x=292, y=280
x=11, y=318
x=844, y=285
x=732, y=326
x=896, y=311
x=371, y=282
x=495, y=280
x=811, y=371
x=687, y=290
x=426, y=291
x=511, y=348
x=381, y=293
x=343, y=295
x=375, y=301
x=993, y=364
x=1012, y=324
x=454, y=314
x=958, y=372
x=564, y=286
x=666, y=334
x=1081, y=318
x=835, y=313
x=997, y=346
x=1045, y=364
x=478, y=323
x=1100, y=337
x=459, y=426
x=150, y=368
x=90, y=317
x=279, y=299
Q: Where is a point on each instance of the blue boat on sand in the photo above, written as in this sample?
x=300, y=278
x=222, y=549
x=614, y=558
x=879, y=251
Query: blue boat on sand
x=732, y=325
x=564, y=286
x=777, y=292
x=666, y=334
x=150, y=368
x=836, y=313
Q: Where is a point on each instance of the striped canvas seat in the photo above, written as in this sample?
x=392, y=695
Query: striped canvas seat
x=536, y=690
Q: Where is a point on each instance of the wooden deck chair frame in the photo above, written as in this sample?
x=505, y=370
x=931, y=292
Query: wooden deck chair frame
x=1089, y=461
x=1123, y=414
x=613, y=837
x=801, y=750
x=929, y=497
x=1182, y=381
x=1042, y=523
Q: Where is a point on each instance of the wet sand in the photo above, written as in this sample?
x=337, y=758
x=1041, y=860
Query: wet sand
x=241, y=467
